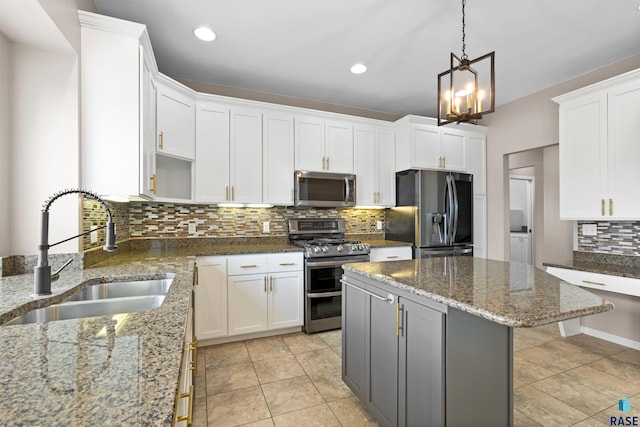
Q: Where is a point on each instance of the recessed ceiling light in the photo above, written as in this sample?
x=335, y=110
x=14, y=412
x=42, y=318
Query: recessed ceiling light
x=204, y=34
x=358, y=68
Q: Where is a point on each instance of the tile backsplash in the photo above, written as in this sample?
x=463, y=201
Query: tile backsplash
x=171, y=220
x=620, y=238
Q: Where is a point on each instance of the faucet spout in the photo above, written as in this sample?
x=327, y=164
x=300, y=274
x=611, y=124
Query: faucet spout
x=42, y=271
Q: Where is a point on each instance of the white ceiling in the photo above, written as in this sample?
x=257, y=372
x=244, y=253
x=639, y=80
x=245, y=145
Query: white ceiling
x=304, y=48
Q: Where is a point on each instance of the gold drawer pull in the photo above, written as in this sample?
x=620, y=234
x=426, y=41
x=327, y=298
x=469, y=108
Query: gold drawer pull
x=161, y=140
x=392, y=256
x=398, y=320
x=602, y=204
x=189, y=417
x=285, y=264
x=248, y=266
x=610, y=206
x=593, y=283
x=154, y=182
x=193, y=346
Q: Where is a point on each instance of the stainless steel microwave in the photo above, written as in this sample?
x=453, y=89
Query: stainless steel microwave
x=324, y=189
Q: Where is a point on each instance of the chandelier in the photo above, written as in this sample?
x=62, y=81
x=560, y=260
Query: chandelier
x=465, y=93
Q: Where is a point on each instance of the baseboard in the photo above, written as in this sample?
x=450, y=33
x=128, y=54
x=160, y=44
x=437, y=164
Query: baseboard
x=611, y=337
x=234, y=338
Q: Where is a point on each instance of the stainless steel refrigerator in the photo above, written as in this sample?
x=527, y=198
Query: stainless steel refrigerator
x=434, y=212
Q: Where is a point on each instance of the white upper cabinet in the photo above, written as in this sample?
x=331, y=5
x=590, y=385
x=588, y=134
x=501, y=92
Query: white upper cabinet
x=212, y=152
x=374, y=165
x=277, y=158
x=323, y=145
x=245, y=160
x=421, y=143
x=228, y=154
x=599, y=150
x=477, y=161
x=118, y=106
x=175, y=122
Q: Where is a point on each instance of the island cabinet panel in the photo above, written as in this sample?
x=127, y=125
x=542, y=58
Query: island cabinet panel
x=393, y=354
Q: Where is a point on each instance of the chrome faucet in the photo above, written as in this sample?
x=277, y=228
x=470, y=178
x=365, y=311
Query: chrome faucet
x=42, y=272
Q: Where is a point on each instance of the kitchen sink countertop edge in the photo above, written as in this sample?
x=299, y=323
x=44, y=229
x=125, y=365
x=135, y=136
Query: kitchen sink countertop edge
x=95, y=370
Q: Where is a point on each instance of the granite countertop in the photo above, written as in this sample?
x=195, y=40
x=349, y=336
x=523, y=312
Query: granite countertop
x=602, y=263
x=511, y=294
x=94, y=371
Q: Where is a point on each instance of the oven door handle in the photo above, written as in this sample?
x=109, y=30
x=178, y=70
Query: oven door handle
x=390, y=298
x=344, y=260
x=324, y=294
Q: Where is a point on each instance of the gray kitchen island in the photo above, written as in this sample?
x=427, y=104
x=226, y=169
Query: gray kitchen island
x=430, y=342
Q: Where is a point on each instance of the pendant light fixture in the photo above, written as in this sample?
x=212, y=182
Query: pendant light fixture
x=466, y=91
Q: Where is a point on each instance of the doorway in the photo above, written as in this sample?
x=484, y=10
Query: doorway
x=521, y=216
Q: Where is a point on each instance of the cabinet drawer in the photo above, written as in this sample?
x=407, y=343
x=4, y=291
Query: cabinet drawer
x=390, y=254
x=246, y=264
x=603, y=282
x=285, y=262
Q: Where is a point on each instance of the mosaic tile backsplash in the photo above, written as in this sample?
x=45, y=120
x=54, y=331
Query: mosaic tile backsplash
x=620, y=238
x=171, y=220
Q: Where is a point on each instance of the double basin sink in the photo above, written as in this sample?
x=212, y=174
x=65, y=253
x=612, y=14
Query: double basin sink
x=101, y=299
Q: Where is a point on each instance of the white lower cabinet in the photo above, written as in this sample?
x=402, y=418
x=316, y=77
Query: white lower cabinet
x=395, y=253
x=211, y=297
x=183, y=408
x=242, y=294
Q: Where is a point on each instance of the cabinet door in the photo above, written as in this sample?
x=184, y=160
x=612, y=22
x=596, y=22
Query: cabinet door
x=148, y=126
x=309, y=143
x=212, y=146
x=339, y=146
x=425, y=146
x=211, y=298
x=278, y=159
x=247, y=296
x=452, y=149
x=381, y=396
x=477, y=162
x=623, y=106
x=583, y=157
x=421, y=382
x=176, y=123
x=354, y=303
x=365, y=166
x=285, y=299
x=386, y=168
x=245, y=161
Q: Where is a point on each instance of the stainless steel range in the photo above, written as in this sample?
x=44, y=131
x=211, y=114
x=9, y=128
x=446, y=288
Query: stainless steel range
x=326, y=250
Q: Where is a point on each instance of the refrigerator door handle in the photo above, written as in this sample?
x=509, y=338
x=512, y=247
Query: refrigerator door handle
x=450, y=211
x=454, y=232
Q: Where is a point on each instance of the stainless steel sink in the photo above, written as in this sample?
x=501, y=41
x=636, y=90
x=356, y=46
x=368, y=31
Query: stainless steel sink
x=122, y=290
x=92, y=308
x=102, y=299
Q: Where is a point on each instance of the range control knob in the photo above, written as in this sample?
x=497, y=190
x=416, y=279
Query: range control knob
x=339, y=248
x=325, y=249
x=316, y=249
x=360, y=247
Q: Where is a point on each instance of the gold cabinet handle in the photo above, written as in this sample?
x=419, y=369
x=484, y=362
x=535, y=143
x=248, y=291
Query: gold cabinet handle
x=226, y=192
x=392, y=256
x=271, y=284
x=154, y=182
x=610, y=206
x=398, y=319
x=161, y=138
x=233, y=192
x=193, y=346
x=323, y=163
x=328, y=167
x=189, y=417
x=285, y=264
x=248, y=266
x=265, y=283
x=444, y=162
x=593, y=283
x=602, y=205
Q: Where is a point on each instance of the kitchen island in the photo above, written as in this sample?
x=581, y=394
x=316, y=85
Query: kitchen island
x=430, y=342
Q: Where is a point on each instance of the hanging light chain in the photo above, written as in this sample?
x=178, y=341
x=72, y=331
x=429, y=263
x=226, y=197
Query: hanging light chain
x=464, y=55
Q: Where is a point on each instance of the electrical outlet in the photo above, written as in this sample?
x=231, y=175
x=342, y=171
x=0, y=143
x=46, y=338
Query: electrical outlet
x=93, y=236
x=589, y=230
x=265, y=227
x=379, y=225
x=192, y=228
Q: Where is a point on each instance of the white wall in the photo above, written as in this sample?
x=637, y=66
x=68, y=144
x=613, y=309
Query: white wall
x=5, y=135
x=527, y=123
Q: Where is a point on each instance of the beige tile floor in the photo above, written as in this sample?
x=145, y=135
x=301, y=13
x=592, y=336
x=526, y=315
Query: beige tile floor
x=294, y=380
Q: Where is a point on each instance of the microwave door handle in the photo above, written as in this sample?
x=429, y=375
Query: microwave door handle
x=348, y=191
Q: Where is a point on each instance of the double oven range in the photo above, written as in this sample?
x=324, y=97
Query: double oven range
x=325, y=251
